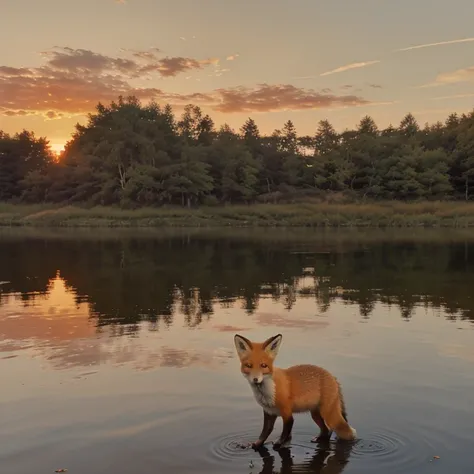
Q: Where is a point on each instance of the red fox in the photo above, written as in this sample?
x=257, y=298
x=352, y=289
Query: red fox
x=298, y=389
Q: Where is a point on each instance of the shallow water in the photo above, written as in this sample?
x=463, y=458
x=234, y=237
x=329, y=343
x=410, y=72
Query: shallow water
x=116, y=348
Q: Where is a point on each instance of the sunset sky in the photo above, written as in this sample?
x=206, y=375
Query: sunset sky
x=274, y=60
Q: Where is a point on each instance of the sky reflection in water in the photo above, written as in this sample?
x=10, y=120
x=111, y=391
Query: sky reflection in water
x=117, y=351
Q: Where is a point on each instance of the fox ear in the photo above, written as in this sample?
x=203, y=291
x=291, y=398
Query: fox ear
x=272, y=345
x=243, y=345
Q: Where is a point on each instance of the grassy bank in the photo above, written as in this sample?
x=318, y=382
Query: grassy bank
x=384, y=214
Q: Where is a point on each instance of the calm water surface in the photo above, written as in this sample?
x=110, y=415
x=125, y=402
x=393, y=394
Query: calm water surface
x=117, y=357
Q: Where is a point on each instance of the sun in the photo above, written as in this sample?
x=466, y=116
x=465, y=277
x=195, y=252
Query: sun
x=57, y=148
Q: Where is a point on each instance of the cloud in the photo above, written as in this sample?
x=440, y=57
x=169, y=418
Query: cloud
x=232, y=57
x=52, y=115
x=269, y=98
x=7, y=71
x=73, y=81
x=273, y=319
x=15, y=113
x=83, y=60
x=431, y=112
x=150, y=55
x=170, y=67
x=375, y=86
x=179, y=358
x=453, y=77
x=441, y=43
x=46, y=89
x=348, y=67
x=456, y=96
x=144, y=62
x=230, y=328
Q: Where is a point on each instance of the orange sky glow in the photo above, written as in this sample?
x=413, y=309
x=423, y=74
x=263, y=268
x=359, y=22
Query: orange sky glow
x=306, y=63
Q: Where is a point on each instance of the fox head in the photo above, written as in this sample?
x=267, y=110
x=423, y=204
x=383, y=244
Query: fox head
x=256, y=358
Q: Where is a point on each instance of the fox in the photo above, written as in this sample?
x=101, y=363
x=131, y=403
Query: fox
x=297, y=389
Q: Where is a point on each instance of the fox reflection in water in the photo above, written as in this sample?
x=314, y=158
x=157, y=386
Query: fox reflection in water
x=328, y=459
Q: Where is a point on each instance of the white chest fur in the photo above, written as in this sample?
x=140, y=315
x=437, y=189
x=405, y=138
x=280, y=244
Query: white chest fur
x=265, y=396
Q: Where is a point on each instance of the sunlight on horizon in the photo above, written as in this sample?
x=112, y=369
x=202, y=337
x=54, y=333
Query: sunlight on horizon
x=57, y=148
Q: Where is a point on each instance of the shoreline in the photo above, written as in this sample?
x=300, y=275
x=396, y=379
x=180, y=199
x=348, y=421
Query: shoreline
x=391, y=214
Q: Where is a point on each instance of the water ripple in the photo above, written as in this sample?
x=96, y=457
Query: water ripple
x=233, y=446
x=397, y=452
x=378, y=451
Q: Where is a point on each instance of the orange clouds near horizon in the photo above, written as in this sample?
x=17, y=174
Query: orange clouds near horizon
x=50, y=97
x=72, y=81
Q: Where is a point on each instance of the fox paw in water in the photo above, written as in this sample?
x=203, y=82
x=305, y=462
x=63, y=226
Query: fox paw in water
x=280, y=444
x=320, y=439
x=242, y=445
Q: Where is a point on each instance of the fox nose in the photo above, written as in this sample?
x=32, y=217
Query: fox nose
x=255, y=379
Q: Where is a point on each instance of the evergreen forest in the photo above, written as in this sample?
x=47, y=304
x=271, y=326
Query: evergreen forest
x=136, y=155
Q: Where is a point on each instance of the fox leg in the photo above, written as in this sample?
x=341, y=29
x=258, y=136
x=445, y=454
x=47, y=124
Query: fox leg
x=285, y=436
x=268, y=424
x=325, y=432
x=336, y=420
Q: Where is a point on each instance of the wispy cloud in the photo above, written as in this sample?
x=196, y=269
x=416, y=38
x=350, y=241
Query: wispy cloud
x=232, y=57
x=432, y=112
x=455, y=96
x=441, y=43
x=453, y=77
x=348, y=67
x=303, y=78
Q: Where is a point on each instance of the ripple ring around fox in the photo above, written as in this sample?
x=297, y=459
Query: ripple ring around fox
x=379, y=445
x=233, y=446
x=393, y=449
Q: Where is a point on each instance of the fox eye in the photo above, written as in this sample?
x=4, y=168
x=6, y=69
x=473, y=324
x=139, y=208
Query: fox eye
x=249, y=366
x=263, y=366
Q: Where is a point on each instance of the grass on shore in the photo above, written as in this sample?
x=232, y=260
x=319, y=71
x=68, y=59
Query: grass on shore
x=381, y=214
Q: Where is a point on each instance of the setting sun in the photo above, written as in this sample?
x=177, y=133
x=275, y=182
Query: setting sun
x=57, y=148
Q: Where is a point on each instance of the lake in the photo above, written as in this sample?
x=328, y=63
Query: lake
x=117, y=354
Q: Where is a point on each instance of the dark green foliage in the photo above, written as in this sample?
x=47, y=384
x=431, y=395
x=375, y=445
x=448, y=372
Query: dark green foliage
x=21, y=155
x=134, y=155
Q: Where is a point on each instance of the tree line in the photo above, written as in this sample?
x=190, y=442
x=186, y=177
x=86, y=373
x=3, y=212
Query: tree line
x=133, y=155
